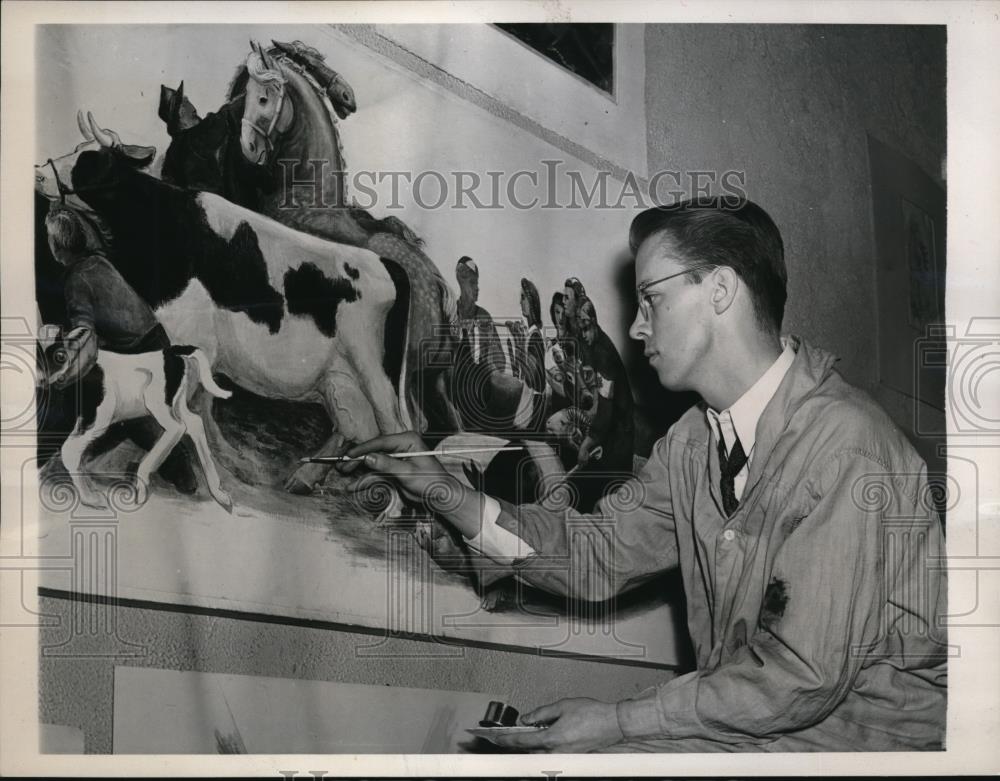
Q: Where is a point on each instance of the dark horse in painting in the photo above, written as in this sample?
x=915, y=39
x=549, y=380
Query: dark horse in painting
x=284, y=105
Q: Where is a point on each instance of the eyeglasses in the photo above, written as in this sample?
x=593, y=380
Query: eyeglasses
x=646, y=300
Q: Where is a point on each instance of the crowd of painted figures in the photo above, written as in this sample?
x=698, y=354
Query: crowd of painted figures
x=565, y=384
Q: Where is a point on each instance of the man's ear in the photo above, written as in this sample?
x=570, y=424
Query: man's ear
x=724, y=284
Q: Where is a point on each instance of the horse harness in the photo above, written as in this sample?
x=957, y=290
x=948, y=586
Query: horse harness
x=65, y=189
x=266, y=134
x=92, y=219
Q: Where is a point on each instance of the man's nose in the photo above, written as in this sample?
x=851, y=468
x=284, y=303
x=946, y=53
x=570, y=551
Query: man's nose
x=639, y=329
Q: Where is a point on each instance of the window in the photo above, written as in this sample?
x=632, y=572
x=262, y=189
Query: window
x=584, y=49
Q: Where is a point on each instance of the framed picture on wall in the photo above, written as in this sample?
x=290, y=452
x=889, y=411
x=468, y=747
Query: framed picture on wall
x=908, y=210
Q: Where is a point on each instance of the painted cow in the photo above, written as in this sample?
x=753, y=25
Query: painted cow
x=283, y=314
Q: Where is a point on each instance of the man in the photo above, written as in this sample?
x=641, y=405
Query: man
x=479, y=358
x=104, y=312
x=797, y=513
x=474, y=322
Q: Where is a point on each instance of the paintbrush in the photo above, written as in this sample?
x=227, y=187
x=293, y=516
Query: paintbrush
x=436, y=453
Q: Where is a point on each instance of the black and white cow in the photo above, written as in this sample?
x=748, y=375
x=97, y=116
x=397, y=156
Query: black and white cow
x=282, y=313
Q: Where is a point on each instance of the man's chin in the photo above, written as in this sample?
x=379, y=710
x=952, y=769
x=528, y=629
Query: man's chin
x=667, y=379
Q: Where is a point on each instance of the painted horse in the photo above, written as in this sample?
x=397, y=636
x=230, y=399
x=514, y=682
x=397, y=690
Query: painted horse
x=290, y=102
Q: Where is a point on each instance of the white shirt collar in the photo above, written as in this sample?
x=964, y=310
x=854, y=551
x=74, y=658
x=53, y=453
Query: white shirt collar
x=746, y=411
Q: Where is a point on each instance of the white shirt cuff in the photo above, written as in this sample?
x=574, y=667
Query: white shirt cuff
x=494, y=541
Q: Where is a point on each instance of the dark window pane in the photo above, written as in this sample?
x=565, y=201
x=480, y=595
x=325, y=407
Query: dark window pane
x=584, y=49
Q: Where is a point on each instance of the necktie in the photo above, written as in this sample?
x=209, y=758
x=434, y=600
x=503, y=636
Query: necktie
x=730, y=467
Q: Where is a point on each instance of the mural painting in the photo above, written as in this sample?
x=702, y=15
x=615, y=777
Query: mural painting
x=218, y=333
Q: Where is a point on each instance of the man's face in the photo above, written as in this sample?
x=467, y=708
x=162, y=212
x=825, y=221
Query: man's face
x=558, y=318
x=675, y=333
x=468, y=284
x=570, y=301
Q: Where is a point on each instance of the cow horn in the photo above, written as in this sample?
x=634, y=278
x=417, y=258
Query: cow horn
x=106, y=138
x=82, y=124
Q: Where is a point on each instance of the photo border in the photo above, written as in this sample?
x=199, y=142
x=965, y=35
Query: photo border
x=972, y=292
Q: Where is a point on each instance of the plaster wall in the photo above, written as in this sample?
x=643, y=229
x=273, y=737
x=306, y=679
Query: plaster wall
x=76, y=678
x=790, y=107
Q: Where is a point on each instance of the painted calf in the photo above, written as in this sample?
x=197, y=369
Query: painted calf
x=282, y=313
x=125, y=387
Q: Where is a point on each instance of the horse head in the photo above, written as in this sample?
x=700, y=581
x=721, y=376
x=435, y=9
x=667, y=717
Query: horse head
x=335, y=86
x=176, y=110
x=267, y=111
x=341, y=96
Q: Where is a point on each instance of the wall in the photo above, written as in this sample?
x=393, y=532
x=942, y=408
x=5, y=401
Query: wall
x=791, y=105
x=76, y=682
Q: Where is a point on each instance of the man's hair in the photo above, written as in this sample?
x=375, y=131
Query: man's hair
x=534, y=301
x=558, y=299
x=576, y=286
x=466, y=265
x=66, y=230
x=724, y=232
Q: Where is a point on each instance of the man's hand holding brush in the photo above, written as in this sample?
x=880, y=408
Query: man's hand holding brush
x=420, y=479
